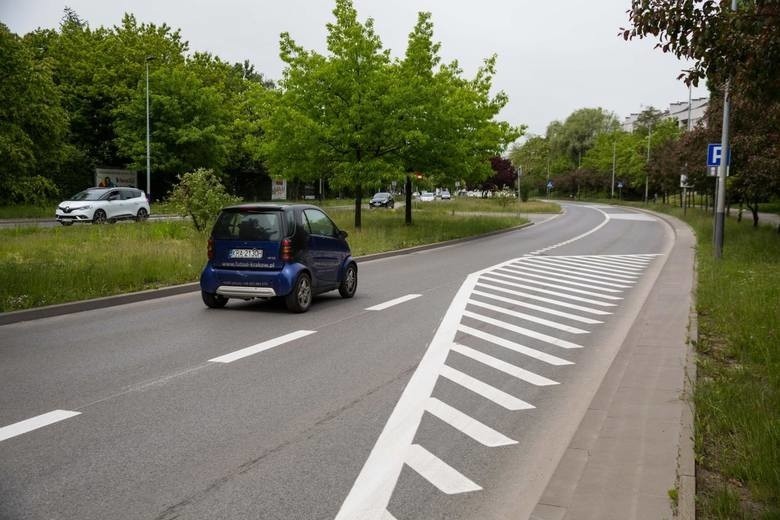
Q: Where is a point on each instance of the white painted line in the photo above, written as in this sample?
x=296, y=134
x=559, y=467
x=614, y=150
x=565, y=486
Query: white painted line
x=388, y=516
x=503, y=366
x=577, y=267
x=553, y=277
x=539, y=308
x=397, y=301
x=545, y=300
x=373, y=487
x=545, y=291
x=446, y=478
x=491, y=393
x=467, y=425
x=39, y=421
x=594, y=262
x=260, y=347
x=552, y=340
x=578, y=237
x=526, y=279
x=627, y=261
x=640, y=217
x=580, y=275
x=528, y=317
x=516, y=347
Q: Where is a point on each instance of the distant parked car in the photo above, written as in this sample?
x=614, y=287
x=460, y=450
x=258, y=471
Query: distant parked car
x=427, y=196
x=287, y=251
x=445, y=195
x=382, y=200
x=101, y=205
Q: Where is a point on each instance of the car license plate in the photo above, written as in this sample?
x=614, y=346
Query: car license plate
x=246, y=253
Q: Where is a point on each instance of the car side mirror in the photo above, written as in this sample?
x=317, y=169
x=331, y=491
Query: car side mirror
x=342, y=233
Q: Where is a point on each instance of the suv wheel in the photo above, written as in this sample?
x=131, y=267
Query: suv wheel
x=299, y=299
x=99, y=217
x=349, y=283
x=142, y=215
x=214, y=301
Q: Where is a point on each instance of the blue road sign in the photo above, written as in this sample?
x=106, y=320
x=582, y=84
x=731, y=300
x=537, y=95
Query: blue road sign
x=620, y=185
x=714, y=154
x=549, y=185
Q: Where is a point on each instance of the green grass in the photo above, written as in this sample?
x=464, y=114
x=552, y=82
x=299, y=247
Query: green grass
x=738, y=394
x=21, y=211
x=44, y=266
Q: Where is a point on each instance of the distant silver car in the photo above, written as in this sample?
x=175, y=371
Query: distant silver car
x=427, y=196
x=101, y=205
x=445, y=195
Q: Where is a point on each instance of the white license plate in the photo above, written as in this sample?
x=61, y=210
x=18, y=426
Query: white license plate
x=246, y=253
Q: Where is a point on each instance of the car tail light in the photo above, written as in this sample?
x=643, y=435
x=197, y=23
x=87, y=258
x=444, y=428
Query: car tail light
x=210, y=248
x=286, y=252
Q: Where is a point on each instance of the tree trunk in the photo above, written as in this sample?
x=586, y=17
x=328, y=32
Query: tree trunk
x=408, y=199
x=754, y=209
x=358, y=204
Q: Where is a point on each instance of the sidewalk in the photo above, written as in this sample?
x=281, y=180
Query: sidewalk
x=633, y=450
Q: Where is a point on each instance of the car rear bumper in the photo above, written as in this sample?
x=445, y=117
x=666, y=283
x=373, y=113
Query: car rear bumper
x=232, y=291
x=247, y=284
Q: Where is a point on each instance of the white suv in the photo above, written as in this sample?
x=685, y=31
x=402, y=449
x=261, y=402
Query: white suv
x=101, y=205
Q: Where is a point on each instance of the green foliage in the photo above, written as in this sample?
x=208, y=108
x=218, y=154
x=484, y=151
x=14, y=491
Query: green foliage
x=34, y=190
x=358, y=119
x=575, y=136
x=200, y=195
x=744, y=44
x=32, y=122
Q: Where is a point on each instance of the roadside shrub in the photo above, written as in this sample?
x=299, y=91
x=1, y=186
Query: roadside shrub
x=200, y=195
x=35, y=191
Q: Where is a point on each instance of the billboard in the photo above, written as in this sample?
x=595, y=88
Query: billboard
x=109, y=178
x=278, y=189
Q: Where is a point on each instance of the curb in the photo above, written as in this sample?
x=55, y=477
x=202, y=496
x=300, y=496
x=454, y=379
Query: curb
x=49, y=311
x=686, y=459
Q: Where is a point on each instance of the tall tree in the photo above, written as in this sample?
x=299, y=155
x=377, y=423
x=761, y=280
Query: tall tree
x=351, y=117
x=744, y=43
x=331, y=114
x=575, y=136
x=32, y=121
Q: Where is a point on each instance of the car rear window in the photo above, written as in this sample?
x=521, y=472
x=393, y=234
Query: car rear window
x=248, y=225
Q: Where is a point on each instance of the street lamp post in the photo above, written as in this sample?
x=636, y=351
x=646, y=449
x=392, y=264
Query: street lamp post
x=148, y=154
x=720, y=201
x=647, y=173
x=612, y=196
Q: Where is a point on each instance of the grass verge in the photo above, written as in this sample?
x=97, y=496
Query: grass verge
x=44, y=266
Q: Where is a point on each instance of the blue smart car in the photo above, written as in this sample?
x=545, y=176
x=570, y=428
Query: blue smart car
x=289, y=251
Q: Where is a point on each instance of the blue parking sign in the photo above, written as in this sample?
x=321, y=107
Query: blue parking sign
x=715, y=153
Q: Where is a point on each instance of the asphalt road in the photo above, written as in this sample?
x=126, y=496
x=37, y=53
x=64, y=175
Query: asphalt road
x=455, y=401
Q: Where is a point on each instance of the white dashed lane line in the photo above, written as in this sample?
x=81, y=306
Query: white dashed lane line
x=28, y=425
x=260, y=347
x=391, y=303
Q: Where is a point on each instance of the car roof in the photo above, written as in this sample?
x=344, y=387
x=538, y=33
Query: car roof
x=269, y=206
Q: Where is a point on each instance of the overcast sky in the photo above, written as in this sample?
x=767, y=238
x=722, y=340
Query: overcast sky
x=554, y=56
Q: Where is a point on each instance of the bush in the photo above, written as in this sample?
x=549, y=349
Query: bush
x=200, y=195
x=35, y=191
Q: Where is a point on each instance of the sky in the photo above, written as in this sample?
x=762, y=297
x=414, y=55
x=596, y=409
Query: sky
x=554, y=56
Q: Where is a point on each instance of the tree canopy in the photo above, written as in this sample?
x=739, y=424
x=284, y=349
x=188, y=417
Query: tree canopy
x=359, y=118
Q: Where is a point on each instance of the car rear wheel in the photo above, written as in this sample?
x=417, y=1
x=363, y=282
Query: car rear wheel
x=99, y=217
x=213, y=301
x=142, y=215
x=299, y=299
x=349, y=283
